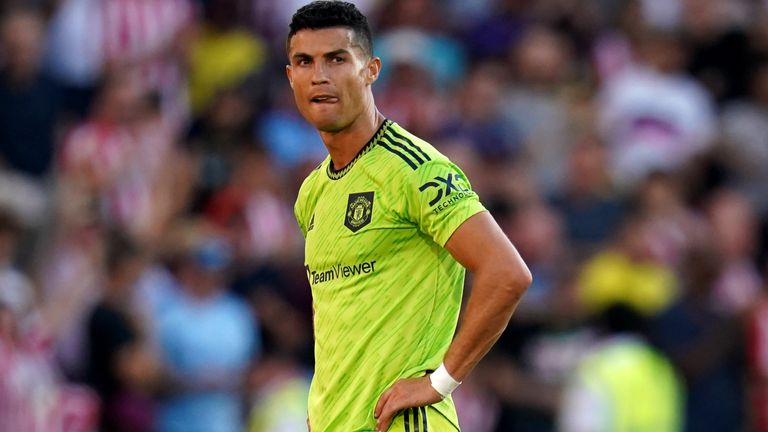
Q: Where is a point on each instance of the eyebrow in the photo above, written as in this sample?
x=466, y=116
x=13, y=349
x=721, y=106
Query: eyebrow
x=300, y=56
x=334, y=53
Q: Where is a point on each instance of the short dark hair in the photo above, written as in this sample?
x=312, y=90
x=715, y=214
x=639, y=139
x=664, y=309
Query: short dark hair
x=9, y=222
x=325, y=14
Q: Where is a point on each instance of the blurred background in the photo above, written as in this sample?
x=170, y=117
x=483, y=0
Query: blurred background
x=151, y=271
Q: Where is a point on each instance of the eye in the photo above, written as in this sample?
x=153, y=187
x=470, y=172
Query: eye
x=303, y=62
x=338, y=59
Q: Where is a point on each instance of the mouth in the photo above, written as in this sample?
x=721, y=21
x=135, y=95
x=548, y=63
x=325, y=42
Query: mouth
x=324, y=99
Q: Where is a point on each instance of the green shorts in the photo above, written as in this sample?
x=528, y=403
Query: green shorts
x=422, y=419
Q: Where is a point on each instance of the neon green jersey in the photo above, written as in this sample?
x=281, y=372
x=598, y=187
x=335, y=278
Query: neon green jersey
x=386, y=294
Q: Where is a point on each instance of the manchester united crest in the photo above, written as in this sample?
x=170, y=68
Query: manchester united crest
x=359, y=210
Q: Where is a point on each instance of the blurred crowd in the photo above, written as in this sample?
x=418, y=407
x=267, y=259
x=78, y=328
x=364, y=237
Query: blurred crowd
x=151, y=271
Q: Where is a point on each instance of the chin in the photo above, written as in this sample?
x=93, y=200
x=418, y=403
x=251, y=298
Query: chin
x=329, y=124
x=331, y=128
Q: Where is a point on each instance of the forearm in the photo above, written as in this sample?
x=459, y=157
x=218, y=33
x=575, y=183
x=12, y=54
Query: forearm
x=494, y=297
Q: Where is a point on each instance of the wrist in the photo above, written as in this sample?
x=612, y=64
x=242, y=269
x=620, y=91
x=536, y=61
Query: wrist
x=442, y=381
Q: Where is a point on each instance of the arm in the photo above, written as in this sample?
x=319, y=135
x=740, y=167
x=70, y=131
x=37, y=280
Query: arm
x=501, y=278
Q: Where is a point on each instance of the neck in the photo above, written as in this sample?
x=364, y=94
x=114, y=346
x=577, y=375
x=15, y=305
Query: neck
x=116, y=296
x=345, y=144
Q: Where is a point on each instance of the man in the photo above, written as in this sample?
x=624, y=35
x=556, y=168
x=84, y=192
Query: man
x=31, y=103
x=207, y=340
x=120, y=364
x=622, y=383
x=389, y=222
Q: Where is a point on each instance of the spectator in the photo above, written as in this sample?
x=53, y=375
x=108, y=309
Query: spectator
x=745, y=133
x=252, y=210
x=147, y=35
x=290, y=141
x=16, y=288
x=120, y=365
x=720, y=56
x=279, y=382
x=757, y=377
x=536, y=231
x=653, y=116
x=734, y=229
x=627, y=273
x=207, y=339
x=414, y=83
x=672, y=225
x=705, y=344
x=499, y=26
x=280, y=402
x=33, y=395
x=74, y=53
x=216, y=141
x=622, y=384
x=591, y=208
x=534, y=102
x=116, y=162
x=477, y=123
x=29, y=387
x=31, y=103
x=222, y=55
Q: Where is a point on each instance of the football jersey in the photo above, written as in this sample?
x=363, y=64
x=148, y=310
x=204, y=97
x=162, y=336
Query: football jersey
x=386, y=294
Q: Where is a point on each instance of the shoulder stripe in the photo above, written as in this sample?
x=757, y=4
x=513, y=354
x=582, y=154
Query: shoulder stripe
x=394, y=142
x=415, y=419
x=424, y=417
x=409, y=142
x=402, y=156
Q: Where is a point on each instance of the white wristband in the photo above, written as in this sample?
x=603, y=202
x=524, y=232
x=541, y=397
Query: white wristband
x=442, y=381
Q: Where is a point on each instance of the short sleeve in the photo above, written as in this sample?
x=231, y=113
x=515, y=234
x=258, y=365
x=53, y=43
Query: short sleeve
x=440, y=199
x=298, y=214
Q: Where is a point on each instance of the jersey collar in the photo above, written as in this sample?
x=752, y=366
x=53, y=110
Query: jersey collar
x=337, y=174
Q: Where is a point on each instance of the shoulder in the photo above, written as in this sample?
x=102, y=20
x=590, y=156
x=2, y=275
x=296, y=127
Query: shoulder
x=233, y=309
x=311, y=181
x=406, y=149
x=234, y=302
x=406, y=157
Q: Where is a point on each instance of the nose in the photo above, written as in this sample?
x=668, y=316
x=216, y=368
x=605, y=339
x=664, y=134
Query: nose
x=320, y=73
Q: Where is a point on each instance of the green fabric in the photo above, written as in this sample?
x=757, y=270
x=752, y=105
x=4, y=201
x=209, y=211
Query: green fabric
x=283, y=409
x=641, y=386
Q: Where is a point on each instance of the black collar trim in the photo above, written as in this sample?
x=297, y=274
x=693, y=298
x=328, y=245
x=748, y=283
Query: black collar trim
x=337, y=174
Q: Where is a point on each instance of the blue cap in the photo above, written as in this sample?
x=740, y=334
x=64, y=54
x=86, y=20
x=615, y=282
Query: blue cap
x=213, y=254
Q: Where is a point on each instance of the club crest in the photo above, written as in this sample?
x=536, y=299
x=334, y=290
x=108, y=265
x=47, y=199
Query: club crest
x=359, y=210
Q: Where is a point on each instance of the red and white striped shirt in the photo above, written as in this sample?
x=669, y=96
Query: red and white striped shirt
x=122, y=164
x=29, y=386
x=32, y=397
x=145, y=33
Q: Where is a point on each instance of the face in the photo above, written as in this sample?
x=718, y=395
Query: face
x=331, y=77
x=21, y=36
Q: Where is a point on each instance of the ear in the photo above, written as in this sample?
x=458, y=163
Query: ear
x=289, y=74
x=372, y=70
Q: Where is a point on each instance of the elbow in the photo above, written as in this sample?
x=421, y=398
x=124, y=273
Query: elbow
x=527, y=278
x=516, y=280
x=522, y=280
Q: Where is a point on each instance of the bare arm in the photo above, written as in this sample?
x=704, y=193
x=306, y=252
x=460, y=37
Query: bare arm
x=501, y=278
